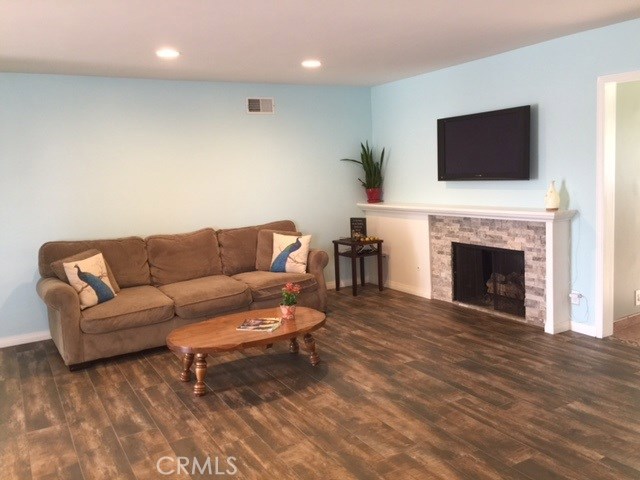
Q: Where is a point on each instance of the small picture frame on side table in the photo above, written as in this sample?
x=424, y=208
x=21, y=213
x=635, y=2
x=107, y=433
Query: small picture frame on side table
x=358, y=227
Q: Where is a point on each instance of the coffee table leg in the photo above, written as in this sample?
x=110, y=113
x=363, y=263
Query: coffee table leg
x=310, y=343
x=201, y=371
x=187, y=361
x=293, y=345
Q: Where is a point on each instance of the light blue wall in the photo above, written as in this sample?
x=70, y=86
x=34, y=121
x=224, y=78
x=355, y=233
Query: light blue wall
x=90, y=157
x=558, y=78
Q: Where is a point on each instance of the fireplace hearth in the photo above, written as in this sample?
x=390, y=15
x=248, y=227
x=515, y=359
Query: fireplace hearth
x=489, y=277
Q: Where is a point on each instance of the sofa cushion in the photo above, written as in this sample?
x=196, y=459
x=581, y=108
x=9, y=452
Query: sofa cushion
x=58, y=267
x=133, y=307
x=238, y=249
x=89, y=278
x=268, y=285
x=207, y=296
x=175, y=258
x=127, y=257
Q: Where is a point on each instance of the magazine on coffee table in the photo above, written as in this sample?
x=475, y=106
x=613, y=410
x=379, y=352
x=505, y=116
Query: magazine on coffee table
x=260, y=324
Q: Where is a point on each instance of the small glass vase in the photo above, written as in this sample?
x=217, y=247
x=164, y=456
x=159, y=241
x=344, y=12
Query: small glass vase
x=288, y=312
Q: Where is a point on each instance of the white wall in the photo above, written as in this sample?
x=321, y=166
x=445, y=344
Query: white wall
x=559, y=79
x=407, y=261
x=91, y=157
x=627, y=200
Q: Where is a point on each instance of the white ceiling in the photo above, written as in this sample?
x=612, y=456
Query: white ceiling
x=360, y=42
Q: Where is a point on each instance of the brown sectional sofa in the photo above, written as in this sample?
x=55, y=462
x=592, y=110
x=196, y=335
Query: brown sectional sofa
x=167, y=281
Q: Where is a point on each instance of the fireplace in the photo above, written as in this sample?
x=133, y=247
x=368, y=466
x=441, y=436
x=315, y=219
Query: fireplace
x=523, y=236
x=489, y=277
x=544, y=237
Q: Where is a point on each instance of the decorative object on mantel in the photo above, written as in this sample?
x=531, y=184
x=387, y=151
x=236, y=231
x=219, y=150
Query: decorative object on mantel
x=552, y=198
x=289, y=299
x=373, y=177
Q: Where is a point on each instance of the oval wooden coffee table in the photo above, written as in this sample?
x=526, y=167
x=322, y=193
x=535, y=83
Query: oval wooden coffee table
x=220, y=335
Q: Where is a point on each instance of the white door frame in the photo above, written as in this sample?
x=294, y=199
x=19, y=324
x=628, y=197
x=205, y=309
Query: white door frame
x=605, y=197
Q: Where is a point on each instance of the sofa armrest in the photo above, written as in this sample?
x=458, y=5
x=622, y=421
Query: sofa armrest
x=63, y=310
x=58, y=295
x=316, y=261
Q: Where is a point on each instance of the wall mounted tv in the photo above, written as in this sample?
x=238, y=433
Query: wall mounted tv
x=485, y=146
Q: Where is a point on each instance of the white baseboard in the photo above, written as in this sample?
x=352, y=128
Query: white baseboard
x=584, y=329
x=410, y=289
x=401, y=287
x=344, y=284
x=24, y=338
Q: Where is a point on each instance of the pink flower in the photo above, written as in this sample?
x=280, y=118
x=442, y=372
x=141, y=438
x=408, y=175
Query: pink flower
x=292, y=288
x=289, y=293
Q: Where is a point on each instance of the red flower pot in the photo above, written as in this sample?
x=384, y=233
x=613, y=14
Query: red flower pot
x=374, y=195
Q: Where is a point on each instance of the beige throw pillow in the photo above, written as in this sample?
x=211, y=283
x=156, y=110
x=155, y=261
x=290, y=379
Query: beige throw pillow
x=264, y=250
x=58, y=267
x=290, y=253
x=90, y=279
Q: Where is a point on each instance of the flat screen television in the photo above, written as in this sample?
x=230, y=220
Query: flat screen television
x=485, y=146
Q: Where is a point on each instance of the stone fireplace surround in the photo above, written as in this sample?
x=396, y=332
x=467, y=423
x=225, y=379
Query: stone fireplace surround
x=543, y=236
x=528, y=237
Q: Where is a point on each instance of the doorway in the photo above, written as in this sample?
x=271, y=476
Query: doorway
x=605, y=199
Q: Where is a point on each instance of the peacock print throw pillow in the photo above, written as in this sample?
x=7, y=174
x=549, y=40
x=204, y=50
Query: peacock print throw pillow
x=90, y=279
x=290, y=253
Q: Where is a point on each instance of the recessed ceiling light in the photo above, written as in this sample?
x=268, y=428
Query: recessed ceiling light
x=167, y=53
x=311, y=63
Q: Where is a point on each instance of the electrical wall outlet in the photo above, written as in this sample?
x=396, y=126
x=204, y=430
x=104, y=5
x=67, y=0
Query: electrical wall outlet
x=575, y=297
x=637, y=297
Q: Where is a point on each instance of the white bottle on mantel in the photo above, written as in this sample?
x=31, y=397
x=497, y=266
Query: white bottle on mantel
x=552, y=198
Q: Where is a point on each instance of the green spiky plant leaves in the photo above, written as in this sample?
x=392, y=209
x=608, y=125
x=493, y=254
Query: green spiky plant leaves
x=372, y=168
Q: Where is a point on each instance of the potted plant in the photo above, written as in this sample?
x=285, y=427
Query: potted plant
x=289, y=299
x=372, y=172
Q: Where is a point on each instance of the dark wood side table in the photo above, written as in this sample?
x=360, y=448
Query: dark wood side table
x=354, y=254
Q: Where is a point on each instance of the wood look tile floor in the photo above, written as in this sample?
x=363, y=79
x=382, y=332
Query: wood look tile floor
x=408, y=389
x=628, y=330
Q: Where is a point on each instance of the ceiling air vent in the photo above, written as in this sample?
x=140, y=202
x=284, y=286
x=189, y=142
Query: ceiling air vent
x=260, y=105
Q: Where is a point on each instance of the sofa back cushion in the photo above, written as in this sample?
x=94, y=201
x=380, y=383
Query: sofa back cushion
x=285, y=225
x=264, y=248
x=238, y=249
x=238, y=246
x=175, y=258
x=127, y=258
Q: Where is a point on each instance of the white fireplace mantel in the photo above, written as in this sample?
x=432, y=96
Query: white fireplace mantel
x=497, y=213
x=557, y=236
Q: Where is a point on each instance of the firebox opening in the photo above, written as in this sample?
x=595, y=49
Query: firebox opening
x=489, y=277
